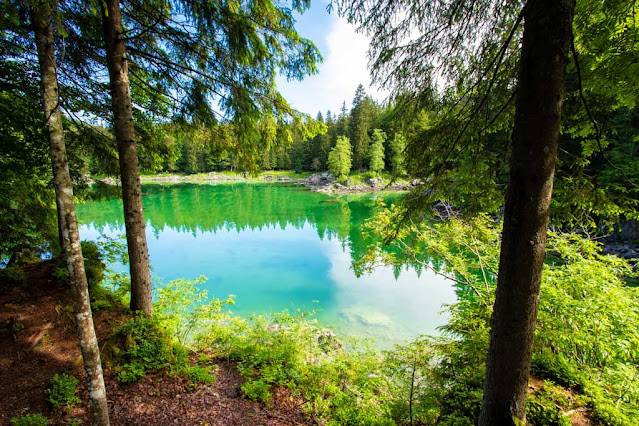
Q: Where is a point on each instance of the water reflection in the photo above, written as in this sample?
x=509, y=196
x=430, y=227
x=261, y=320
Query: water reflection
x=279, y=247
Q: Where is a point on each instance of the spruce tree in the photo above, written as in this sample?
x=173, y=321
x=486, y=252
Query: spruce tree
x=42, y=20
x=397, y=146
x=377, y=152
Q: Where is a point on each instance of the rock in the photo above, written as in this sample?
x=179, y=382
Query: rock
x=313, y=179
x=415, y=182
x=367, y=318
x=375, y=181
x=630, y=231
x=348, y=182
x=328, y=341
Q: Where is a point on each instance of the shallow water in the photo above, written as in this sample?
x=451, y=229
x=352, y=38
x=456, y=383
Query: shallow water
x=279, y=247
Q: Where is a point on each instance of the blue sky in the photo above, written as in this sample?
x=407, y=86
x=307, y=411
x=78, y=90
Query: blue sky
x=344, y=66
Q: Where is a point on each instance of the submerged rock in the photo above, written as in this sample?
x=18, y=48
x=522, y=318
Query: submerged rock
x=367, y=318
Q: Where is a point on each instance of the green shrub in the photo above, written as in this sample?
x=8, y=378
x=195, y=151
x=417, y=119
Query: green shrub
x=138, y=347
x=257, y=390
x=62, y=390
x=204, y=375
x=545, y=406
x=30, y=420
x=14, y=275
x=94, y=267
x=142, y=345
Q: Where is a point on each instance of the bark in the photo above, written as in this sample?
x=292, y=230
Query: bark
x=544, y=55
x=141, y=299
x=41, y=15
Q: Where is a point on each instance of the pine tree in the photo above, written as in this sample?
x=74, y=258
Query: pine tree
x=377, y=152
x=362, y=119
x=397, y=146
x=117, y=64
x=42, y=19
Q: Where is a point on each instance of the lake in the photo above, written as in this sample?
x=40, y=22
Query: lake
x=276, y=247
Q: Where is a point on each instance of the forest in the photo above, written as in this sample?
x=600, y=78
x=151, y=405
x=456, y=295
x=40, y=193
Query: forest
x=517, y=124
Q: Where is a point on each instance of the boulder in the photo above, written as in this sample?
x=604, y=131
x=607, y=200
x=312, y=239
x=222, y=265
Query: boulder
x=629, y=231
x=375, y=181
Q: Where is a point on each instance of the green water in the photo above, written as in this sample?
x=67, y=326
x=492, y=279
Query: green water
x=279, y=247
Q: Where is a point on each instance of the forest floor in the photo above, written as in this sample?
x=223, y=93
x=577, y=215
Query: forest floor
x=38, y=339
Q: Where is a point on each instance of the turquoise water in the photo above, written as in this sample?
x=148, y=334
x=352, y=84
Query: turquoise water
x=279, y=247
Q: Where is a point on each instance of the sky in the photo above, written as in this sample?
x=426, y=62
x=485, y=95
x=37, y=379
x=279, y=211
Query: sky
x=343, y=69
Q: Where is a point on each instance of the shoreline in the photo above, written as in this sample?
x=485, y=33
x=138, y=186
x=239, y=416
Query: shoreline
x=317, y=182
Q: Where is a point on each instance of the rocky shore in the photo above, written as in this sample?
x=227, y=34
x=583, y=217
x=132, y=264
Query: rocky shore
x=318, y=182
x=328, y=184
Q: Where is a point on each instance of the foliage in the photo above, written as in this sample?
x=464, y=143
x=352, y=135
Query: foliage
x=587, y=336
x=183, y=308
x=63, y=391
x=398, y=145
x=93, y=265
x=141, y=346
x=27, y=205
x=294, y=352
x=13, y=275
x=257, y=390
x=146, y=345
x=339, y=159
x=377, y=151
x=30, y=420
x=544, y=407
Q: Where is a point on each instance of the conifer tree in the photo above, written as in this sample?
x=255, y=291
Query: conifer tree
x=377, y=151
x=397, y=146
x=42, y=20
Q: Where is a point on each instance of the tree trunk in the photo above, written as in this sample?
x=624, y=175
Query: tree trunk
x=544, y=55
x=42, y=24
x=141, y=299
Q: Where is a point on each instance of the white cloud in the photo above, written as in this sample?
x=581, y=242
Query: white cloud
x=343, y=69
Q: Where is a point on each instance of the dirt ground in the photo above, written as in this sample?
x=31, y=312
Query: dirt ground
x=38, y=339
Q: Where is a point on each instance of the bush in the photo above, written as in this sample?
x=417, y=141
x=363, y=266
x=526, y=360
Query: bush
x=257, y=390
x=545, y=406
x=62, y=391
x=142, y=346
x=138, y=347
x=94, y=267
x=14, y=275
x=30, y=420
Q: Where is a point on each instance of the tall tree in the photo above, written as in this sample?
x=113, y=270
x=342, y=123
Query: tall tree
x=475, y=49
x=397, y=147
x=362, y=120
x=42, y=18
x=117, y=64
x=377, y=151
x=540, y=86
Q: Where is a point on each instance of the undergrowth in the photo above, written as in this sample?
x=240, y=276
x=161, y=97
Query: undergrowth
x=63, y=391
x=586, y=343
